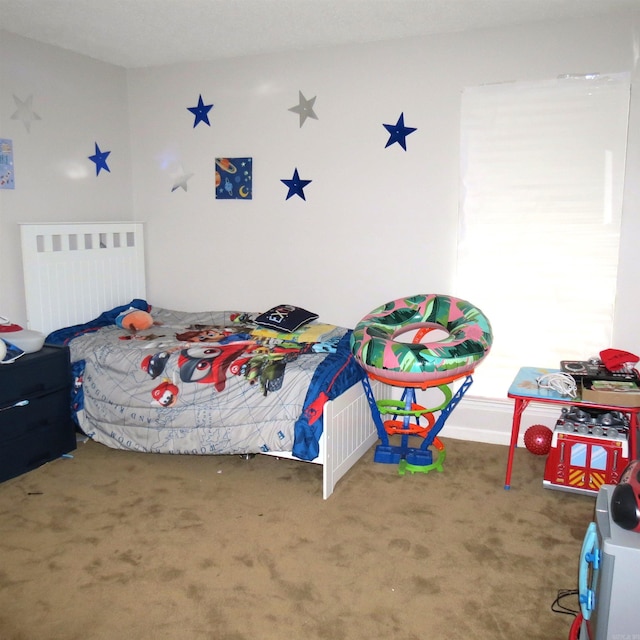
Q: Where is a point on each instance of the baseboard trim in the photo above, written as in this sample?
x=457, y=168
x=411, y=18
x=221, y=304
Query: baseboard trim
x=487, y=420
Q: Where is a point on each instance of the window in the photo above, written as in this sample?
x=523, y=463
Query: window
x=542, y=173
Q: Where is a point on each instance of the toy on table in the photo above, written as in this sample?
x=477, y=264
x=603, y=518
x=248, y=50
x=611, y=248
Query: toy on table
x=617, y=360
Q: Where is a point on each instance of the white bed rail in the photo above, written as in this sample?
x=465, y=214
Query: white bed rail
x=348, y=433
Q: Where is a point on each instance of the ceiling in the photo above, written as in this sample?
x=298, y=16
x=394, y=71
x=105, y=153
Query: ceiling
x=142, y=33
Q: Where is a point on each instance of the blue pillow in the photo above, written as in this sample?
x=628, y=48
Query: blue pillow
x=285, y=317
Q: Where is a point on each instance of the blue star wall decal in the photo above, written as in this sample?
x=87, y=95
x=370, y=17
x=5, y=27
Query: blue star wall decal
x=201, y=112
x=100, y=158
x=398, y=132
x=296, y=185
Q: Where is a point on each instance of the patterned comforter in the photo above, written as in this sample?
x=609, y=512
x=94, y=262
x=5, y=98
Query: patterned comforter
x=206, y=383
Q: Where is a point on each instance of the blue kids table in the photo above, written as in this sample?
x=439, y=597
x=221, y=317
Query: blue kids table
x=524, y=389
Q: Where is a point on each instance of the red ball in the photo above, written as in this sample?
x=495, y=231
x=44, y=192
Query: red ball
x=537, y=439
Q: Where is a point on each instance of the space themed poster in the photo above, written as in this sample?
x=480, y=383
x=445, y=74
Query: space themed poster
x=234, y=178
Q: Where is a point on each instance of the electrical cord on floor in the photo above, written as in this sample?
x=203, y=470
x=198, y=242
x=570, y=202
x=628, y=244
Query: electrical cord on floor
x=558, y=607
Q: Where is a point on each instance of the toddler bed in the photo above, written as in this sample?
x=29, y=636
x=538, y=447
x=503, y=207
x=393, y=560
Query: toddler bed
x=207, y=383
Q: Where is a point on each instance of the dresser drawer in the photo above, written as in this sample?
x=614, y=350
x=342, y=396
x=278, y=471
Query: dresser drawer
x=34, y=374
x=35, y=433
x=31, y=450
x=35, y=416
x=50, y=411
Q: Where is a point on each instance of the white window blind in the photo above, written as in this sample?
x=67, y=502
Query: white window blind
x=542, y=173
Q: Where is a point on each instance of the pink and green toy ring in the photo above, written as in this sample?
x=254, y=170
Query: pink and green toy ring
x=375, y=343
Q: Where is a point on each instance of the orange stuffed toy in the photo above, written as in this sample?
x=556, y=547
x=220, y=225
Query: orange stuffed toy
x=134, y=320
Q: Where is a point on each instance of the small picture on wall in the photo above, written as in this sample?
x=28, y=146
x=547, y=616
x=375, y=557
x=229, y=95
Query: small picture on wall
x=234, y=178
x=6, y=164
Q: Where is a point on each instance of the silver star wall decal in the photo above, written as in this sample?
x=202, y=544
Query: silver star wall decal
x=25, y=112
x=181, y=180
x=304, y=108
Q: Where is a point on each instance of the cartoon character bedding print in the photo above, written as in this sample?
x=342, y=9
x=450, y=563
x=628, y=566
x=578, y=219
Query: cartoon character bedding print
x=208, y=383
x=214, y=353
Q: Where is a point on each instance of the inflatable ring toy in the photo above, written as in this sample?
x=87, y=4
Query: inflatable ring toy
x=375, y=344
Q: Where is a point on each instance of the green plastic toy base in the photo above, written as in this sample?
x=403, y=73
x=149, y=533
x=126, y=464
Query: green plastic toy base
x=404, y=466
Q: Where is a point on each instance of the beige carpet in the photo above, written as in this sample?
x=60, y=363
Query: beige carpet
x=117, y=545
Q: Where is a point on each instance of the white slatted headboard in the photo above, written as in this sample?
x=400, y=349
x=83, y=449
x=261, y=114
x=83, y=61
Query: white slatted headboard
x=75, y=271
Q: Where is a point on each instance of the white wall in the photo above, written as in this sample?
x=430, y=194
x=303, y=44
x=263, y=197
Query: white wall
x=377, y=223
x=80, y=102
